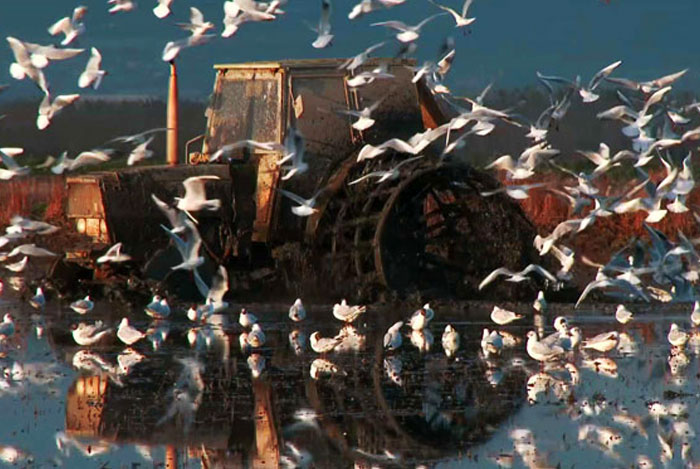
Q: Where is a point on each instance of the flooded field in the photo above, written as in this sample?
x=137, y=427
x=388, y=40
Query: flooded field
x=197, y=395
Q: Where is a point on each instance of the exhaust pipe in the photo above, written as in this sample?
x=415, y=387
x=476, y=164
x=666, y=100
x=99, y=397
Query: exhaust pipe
x=172, y=118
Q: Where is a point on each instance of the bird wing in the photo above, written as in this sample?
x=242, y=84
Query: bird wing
x=51, y=52
x=196, y=16
x=219, y=285
x=19, y=50
x=64, y=100
x=61, y=26
x=627, y=83
x=398, y=25
x=465, y=8
x=447, y=9
x=293, y=197
x=427, y=20
x=492, y=276
x=169, y=212
x=93, y=64
x=194, y=186
x=602, y=73
x=376, y=174
x=668, y=79
x=540, y=270
x=324, y=24
x=194, y=242
x=179, y=243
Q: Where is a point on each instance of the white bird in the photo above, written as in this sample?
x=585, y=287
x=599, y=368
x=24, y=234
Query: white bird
x=461, y=19
x=393, y=338
x=23, y=67
x=19, y=265
x=158, y=308
x=355, y=62
x=89, y=157
x=297, y=312
x=214, y=294
x=651, y=86
x=246, y=318
x=502, y=316
x=121, y=5
x=85, y=334
x=517, y=192
x=603, y=160
x=297, y=340
x=41, y=56
x=140, y=152
x=677, y=336
x=71, y=27
x=256, y=363
x=162, y=9
x=7, y=327
x=603, y=342
x=540, y=351
x=31, y=250
x=407, y=33
x=491, y=342
x=323, y=344
x=48, y=109
x=614, y=282
x=386, y=175
x=586, y=92
x=450, y=341
x=421, y=317
x=392, y=367
x=38, y=300
x=195, y=198
x=175, y=217
x=256, y=336
x=188, y=250
x=324, y=27
x=517, y=276
x=695, y=314
x=367, y=77
x=364, y=116
x=623, y=315
x=346, y=313
x=321, y=367
x=82, y=306
x=197, y=26
x=92, y=75
x=371, y=151
x=173, y=48
x=306, y=207
x=12, y=167
x=114, y=254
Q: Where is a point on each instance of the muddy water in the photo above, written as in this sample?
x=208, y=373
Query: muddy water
x=191, y=401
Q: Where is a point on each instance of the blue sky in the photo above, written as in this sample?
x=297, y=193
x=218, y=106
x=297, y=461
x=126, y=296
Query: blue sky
x=510, y=40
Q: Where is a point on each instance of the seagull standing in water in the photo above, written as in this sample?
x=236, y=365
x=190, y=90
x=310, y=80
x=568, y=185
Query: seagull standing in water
x=393, y=338
x=128, y=333
x=540, y=351
x=450, y=341
x=83, y=306
x=421, y=317
x=623, y=315
x=346, y=313
x=502, y=316
x=297, y=312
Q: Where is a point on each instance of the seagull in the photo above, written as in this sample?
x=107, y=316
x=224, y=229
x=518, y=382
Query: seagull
x=41, y=56
x=344, y=312
x=48, y=109
x=421, y=317
x=586, y=92
x=71, y=27
x=31, y=250
x=18, y=266
x=354, y=62
x=371, y=151
x=367, y=77
x=615, y=282
x=140, y=152
x=256, y=336
x=87, y=335
x=364, y=116
x=162, y=9
x=128, y=334
x=324, y=27
x=491, y=342
x=83, y=306
x=393, y=338
x=297, y=312
x=677, y=336
x=502, y=316
x=623, y=315
x=695, y=314
x=323, y=344
x=7, y=327
x=386, y=175
x=460, y=18
x=92, y=76
x=38, y=300
x=158, y=308
x=651, y=86
x=188, y=250
x=256, y=363
x=246, y=318
x=513, y=191
x=322, y=367
x=306, y=207
x=603, y=342
x=197, y=26
x=23, y=66
x=540, y=304
x=173, y=48
x=88, y=157
x=540, y=351
x=12, y=167
x=114, y=254
x=407, y=33
x=297, y=340
x=175, y=217
x=121, y=5
x=602, y=158
x=214, y=295
x=450, y=341
x=517, y=276
x=195, y=198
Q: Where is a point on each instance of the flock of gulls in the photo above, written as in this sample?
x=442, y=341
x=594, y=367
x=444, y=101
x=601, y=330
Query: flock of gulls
x=660, y=135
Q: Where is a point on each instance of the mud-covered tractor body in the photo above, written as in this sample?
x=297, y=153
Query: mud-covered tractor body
x=428, y=230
